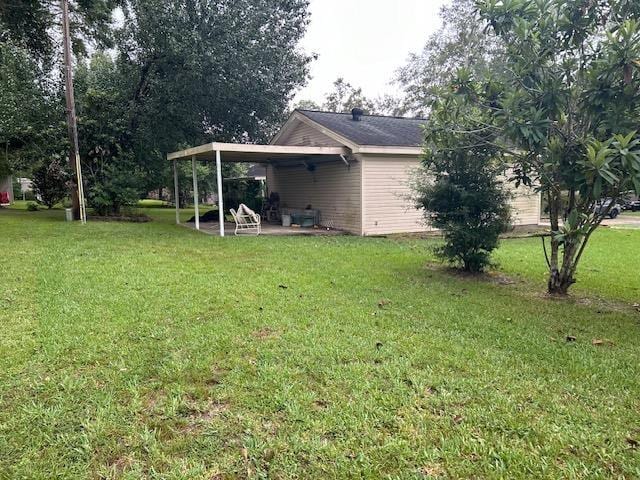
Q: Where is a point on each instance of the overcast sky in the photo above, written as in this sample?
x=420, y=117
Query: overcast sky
x=365, y=41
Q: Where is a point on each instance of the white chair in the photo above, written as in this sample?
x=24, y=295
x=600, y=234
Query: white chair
x=247, y=221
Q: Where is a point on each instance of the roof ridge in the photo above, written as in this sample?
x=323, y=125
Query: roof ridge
x=302, y=110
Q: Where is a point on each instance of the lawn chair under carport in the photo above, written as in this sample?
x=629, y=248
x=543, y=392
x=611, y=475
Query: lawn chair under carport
x=247, y=221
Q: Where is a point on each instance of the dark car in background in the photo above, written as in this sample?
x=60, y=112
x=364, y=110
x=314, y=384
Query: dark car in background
x=633, y=205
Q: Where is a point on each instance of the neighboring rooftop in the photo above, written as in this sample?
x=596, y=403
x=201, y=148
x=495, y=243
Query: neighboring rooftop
x=372, y=129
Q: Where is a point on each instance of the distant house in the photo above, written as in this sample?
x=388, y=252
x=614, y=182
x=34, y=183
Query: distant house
x=355, y=169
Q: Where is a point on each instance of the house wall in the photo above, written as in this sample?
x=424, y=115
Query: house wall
x=6, y=185
x=333, y=188
x=386, y=186
x=307, y=136
x=370, y=198
x=526, y=206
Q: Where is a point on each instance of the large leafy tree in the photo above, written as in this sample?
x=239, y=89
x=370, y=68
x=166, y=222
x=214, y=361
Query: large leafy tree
x=186, y=73
x=31, y=118
x=565, y=111
x=32, y=127
x=463, y=41
x=34, y=25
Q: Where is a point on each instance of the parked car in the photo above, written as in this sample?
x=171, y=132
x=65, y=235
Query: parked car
x=633, y=205
x=603, y=205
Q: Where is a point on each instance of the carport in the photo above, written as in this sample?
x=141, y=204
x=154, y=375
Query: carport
x=246, y=153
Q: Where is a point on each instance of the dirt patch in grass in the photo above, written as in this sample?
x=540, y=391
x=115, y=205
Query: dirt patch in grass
x=432, y=470
x=199, y=414
x=217, y=376
x=265, y=333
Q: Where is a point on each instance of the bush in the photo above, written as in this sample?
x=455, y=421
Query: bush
x=471, y=207
x=50, y=182
x=32, y=207
x=114, y=187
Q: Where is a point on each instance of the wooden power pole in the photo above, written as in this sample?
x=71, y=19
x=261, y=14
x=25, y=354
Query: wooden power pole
x=77, y=189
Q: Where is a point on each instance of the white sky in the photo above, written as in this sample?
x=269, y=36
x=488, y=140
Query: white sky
x=365, y=41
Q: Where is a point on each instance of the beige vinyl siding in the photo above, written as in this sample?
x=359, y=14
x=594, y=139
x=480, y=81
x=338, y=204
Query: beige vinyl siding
x=387, y=208
x=526, y=206
x=305, y=135
x=332, y=188
x=386, y=188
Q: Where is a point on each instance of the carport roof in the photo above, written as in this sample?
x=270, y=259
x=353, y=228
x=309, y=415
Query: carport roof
x=235, y=152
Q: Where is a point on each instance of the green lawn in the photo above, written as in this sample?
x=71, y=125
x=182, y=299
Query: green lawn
x=152, y=351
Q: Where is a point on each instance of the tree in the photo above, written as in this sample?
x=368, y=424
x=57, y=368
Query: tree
x=462, y=42
x=460, y=189
x=50, y=182
x=344, y=97
x=565, y=112
x=186, y=73
x=31, y=126
x=34, y=26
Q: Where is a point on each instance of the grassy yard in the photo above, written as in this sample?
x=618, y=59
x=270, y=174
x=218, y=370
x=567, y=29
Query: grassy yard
x=152, y=351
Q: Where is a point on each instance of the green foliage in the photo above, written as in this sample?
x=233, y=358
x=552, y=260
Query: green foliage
x=463, y=42
x=564, y=110
x=31, y=119
x=460, y=189
x=245, y=191
x=50, y=182
x=32, y=207
x=344, y=97
x=114, y=186
x=180, y=74
x=30, y=23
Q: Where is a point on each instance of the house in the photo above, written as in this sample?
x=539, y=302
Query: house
x=355, y=169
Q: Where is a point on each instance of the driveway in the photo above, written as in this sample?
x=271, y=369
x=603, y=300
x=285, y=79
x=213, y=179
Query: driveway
x=624, y=220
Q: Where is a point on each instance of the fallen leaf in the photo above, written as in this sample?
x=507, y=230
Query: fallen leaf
x=383, y=303
x=457, y=419
x=633, y=443
x=284, y=287
x=571, y=338
x=378, y=345
x=598, y=342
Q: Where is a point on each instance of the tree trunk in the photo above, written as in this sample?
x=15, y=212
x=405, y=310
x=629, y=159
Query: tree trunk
x=560, y=271
x=561, y=279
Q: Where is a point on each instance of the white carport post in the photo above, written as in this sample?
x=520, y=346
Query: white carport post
x=196, y=201
x=176, y=191
x=220, y=203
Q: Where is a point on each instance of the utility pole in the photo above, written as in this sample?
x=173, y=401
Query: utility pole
x=77, y=189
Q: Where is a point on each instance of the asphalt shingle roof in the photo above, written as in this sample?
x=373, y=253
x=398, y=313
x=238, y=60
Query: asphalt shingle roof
x=372, y=129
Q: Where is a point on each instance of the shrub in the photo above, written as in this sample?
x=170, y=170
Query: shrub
x=461, y=189
x=114, y=187
x=50, y=182
x=471, y=207
x=32, y=207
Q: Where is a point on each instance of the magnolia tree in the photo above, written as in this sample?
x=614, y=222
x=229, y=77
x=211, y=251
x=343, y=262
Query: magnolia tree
x=564, y=110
